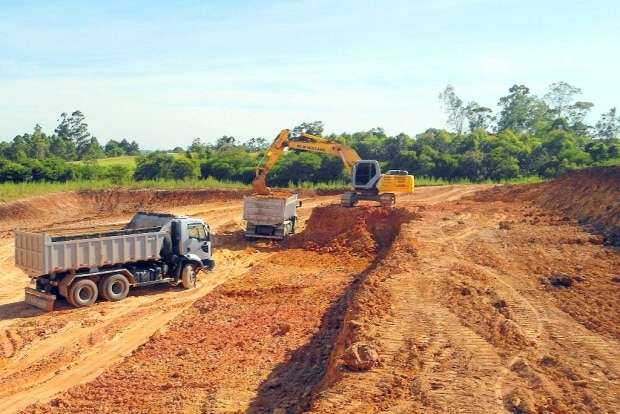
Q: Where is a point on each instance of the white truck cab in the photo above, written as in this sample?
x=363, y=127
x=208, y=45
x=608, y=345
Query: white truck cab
x=196, y=239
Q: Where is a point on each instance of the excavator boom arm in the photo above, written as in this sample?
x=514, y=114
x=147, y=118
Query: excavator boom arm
x=307, y=142
x=348, y=155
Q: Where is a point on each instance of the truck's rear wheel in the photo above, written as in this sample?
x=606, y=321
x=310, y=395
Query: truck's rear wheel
x=114, y=288
x=188, y=277
x=82, y=293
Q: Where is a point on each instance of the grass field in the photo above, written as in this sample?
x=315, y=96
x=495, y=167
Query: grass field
x=128, y=160
x=16, y=191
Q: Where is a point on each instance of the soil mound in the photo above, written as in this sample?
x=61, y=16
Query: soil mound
x=591, y=196
x=274, y=194
x=361, y=231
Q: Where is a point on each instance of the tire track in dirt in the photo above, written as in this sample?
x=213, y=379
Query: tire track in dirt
x=545, y=326
x=10, y=343
x=527, y=316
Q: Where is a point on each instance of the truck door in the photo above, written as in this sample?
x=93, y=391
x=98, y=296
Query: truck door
x=198, y=241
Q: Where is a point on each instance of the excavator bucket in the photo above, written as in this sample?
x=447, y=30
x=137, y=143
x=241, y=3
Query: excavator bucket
x=41, y=300
x=259, y=186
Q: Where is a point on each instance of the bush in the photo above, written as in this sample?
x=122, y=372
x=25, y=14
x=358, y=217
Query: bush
x=15, y=172
x=154, y=166
x=295, y=168
x=183, y=169
x=230, y=164
x=88, y=171
x=117, y=174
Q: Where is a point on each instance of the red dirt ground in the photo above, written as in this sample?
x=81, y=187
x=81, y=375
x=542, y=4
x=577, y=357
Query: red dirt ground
x=496, y=302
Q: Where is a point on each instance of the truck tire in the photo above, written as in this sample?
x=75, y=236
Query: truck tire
x=82, y=292
x=188, y=277
x=114, y=288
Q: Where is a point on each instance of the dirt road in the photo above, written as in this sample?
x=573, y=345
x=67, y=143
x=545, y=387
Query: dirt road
x=466, y=316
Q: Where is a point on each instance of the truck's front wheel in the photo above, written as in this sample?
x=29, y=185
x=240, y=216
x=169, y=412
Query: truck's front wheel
x=115, y=287
x=83, y=293
x=188, y=277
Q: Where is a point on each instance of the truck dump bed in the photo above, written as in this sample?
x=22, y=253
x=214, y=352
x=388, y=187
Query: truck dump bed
x=269, y=210
x=41, y=253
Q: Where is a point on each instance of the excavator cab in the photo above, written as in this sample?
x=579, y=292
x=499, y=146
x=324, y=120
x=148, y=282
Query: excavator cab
x=366, y=174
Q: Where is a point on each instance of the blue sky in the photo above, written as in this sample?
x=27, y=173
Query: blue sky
x=164, y=72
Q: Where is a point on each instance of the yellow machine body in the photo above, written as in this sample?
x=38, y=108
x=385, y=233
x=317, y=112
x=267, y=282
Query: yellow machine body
x=396, y=184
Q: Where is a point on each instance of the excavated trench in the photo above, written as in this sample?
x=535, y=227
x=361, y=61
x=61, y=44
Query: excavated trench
x=366, y=232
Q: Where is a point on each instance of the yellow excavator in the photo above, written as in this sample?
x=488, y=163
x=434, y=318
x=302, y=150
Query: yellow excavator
x=366, y=179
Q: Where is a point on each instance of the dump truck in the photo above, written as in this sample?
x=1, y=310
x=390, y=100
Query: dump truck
x=270, y=216
x=152, y=248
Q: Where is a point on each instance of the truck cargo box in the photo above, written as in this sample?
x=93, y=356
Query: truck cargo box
x=269, y=210
x=41, y=253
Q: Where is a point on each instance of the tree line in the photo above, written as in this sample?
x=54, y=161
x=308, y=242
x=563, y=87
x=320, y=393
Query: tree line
x=38, y=156
x=527, y=136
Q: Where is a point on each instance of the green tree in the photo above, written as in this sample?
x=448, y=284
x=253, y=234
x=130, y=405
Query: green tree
x=113, y=149
x=256, y=144
x=312, y=128
x=521, y=111
x=129, y=148
x=198, y=149
x=19, y=149
x=14, y=172
x=609, y=125
x=154, y=166
x=92, y=150
x=39, y=144
x=560, y=97
x=118, y=174
x=576, y=114
x=295, y=167
x=74, y=128
x=478, y=117
x=232, y=164
x=225, y=142
x=454, y=108
x=183, y=169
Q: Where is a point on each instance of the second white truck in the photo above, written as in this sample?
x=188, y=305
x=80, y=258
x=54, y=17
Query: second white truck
x=152, y=248
x=270, y=216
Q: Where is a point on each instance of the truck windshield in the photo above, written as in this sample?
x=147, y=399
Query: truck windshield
x=196, y=231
